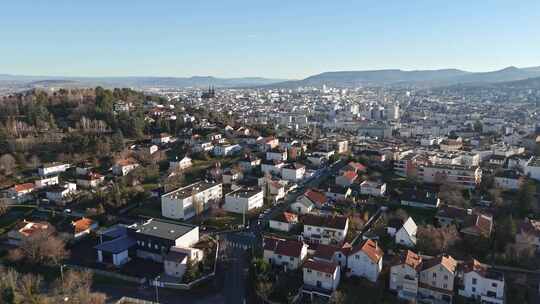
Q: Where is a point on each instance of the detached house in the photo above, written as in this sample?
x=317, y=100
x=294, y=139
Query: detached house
x=320, y=277
x=479, y=282
x=310, y=199
x=404, y=275
x=437, y=279
x=83, y=226
x=293, y=172
x=346, y=179
x=25, y=230
x=325, y=229
x=333, y=254
x=372, y=188
x=404, y=232
x=124, y=166
x=181, y=164
x=365, y=260
x=21, y=193
x=288, y=254
x=285, y=221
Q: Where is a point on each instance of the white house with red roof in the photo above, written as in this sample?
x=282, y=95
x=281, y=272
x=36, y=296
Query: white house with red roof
x=25, y=230
x=325, y=229
x=404, y=275
x=310, y=199
x=366, y=260
x=437, y=278
x=21, y=193
x=289, y=254
x=285, y=221
x=334, y=254
x=346, y=179
x=478, y=281
x=353, y=166
x=320, y=277
x=124, y=166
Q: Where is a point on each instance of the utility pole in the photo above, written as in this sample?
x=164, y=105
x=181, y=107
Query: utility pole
x=156, y=282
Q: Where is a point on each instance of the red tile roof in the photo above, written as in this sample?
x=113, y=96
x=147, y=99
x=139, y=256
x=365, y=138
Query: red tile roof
x=334, y=221
x=357, y=166
x=350, y=175
x=411, y=259
x=321, y=266
x=82, y=225
x=287, y=217
x=24, y=187
x=290, y=248
x=316, y=196
x=371, y=249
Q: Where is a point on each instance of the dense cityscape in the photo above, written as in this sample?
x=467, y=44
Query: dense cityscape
x=306, y=195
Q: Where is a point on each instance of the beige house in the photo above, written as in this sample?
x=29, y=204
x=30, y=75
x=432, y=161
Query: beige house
x=437, y=279
x=404, y=275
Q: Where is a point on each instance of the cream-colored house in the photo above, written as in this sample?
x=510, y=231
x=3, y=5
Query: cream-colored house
x=437, y=278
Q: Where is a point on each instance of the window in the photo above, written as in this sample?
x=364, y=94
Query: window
x=474, y=281
x=474, y=289
x=434, y=275
x=494, y=285
x=445, y=286
x=357, y=257
x=291, y=258
x=446, y=277
x=309, y=270
x=328, y=276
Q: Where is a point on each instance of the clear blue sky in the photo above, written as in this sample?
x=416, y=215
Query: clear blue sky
x=286, y=39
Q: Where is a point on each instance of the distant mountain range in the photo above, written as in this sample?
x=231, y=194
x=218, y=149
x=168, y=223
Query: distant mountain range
x=134, y=82
x=422, y=78
x=391, y=77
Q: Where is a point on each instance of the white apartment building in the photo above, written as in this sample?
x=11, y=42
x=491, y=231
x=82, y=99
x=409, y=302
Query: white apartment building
x=467, y=177
x=53, y=168
x=46, y=181
x=186, y=202
x=244, y=200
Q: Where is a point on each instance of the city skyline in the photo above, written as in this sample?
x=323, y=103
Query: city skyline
x=277, y=40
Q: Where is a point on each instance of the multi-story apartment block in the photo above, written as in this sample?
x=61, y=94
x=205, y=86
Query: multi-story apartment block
x=186, y=202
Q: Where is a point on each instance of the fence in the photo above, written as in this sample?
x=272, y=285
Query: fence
x=128, y=300
x=188, y=286
x=110, y=274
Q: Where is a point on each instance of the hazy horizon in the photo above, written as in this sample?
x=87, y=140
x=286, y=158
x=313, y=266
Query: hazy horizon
x=283, y=40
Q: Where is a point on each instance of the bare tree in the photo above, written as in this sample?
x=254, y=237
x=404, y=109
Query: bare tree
x=3, y=207
x=7, y=164
x=42, y=247
x=437, y=240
